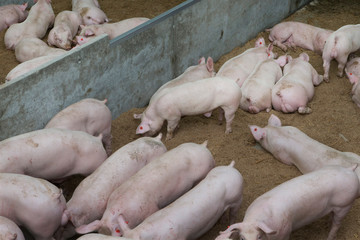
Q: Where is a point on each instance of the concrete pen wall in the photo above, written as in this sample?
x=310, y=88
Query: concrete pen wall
x=130, y=68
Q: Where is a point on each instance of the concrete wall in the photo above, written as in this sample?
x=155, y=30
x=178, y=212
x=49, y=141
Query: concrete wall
x=130, y=68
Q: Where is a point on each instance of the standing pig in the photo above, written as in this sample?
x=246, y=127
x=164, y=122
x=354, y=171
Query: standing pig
x=11, y=14
x=296, y=88
x=112, y=29
x=191, y=98
x=299, y=202
x=65, y=28
x=194, y=213
x=41, y=17
x=256, y=90
x=32, y=203
x=88, y=115
x=52, y=154
x=9, y=230
x=352, y=71
x=293, y=147
x=153, y=187
x=239, y=68
x=118, y=168
x=30, y=48
x=338, y=46
x=89, y=11
x=297, y=34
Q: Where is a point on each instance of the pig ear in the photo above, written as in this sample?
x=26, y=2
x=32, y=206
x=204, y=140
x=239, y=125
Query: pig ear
x=265, y=228
x=274, y=121
x=304, y=57
x=260, y=42
x=258, y=132
x=282, y=60
x=23, y=6
x=137, y=116
x=10, y=236
x=143, y=128
x=289, y=58
x=210, y=64
x=89, y=32
x=91, y=227
x=270, y=48
x=201, y=60
x=123, y=225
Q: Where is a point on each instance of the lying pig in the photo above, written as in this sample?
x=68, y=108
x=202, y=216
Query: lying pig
x=191, y=98
x=88, y=115
x=95, y=236
x=338, y=46
x=52, y=154
x=352, y=71
x=186, y=218
x=41, y=17
x=293, y=147
x=30, y=48
x=65, y=28
x=239, y=68
x=112, y=29
x=9, y=230
x=205, y=69
x=89, y=11
x=119, y=167
x=256, y=89
x=27, y=66
x=11, y=14
x=299, y=202
x=33, y=203
x=153, y=187
x=297, y=34
x=296, y=88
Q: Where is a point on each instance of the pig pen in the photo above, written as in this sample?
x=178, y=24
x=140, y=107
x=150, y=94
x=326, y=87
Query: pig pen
x=335, y=121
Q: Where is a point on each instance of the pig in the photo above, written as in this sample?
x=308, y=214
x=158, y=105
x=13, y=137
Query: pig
x=186, y=218
x=256, y=89
x=88, y=115
x=153, y=187
x=89, y=11
x=11, y=14
x=27, y=66
x=30, y=48
x=299, y=202
x=205, y=69
x=352, y=71
x=297, y=34
x=65, y=28
x=33, y=203
x=192, y=98
x=98, y=186
x=95, y=236
x=41, y=17
x=9, y=230
x=51, y=154
x=239, y=68
x=338, y=46
x=293, y=147
x=296, y=88
x=112, y=29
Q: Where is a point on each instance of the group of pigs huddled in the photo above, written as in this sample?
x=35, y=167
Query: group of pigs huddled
x=26, y=29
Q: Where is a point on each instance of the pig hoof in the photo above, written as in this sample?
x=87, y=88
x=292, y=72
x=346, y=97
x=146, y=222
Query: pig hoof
x=340, y=74
x=304, y=110
x=228, y=131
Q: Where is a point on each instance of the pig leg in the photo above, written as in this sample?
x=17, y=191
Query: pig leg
x=280, y=45
x=171, y=126
x=304, y=110
x=220, y=115
x=326, y=66
x=229, y=117
x=233, y=212
x=107, y=143
x=339, y=214
x=341, y=64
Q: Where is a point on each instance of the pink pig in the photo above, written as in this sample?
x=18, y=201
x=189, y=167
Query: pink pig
x=118, y=168
x=65, y=28
x=33, y=203
x=30, y=48
x=299, y=202
x=153, y=187
x=293, y=147
x=297, y=34
x=338, y=46
x=296, y=88
x=41, y=17
x=112, y=29
x=191, y=98
x=9, y=230
x=239, y=68
x=256, y=89
x=52, y=154
x=11, y=14
x=95, y=236
x=194, y=213
x=88, y=115
x=352, y=71
x=90, y=11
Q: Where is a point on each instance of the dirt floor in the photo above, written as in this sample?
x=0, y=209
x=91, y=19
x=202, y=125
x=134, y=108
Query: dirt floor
x=335, y=120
